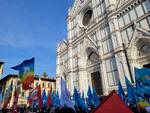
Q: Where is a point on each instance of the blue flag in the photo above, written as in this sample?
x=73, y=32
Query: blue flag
x=90, y=97
x=65, y=99
x=79, y=102
x=131, y=92
x=95, y=98
x=44, y=97
x=141, y=74
x=121, y=92
x=83, y=95
x=143, y=80
x=55, y=100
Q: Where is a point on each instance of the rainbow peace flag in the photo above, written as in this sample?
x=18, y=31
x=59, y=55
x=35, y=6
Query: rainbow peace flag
x=143, y=104
x=26, y=73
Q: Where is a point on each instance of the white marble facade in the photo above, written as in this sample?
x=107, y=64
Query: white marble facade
x=106, y=39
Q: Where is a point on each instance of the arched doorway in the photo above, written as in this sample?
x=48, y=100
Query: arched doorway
x=140, y=52
x=93, y=70
x=143, y=47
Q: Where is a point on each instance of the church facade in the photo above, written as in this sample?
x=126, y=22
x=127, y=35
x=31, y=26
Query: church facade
x=106, y=40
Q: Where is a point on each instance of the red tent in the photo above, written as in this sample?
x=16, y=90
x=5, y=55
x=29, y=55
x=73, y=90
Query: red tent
x=112, y=104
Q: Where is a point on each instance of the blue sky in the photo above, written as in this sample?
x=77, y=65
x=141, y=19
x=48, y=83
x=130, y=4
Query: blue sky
x=32, y=28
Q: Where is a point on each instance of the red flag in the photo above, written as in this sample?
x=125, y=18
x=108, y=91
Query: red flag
x=39, y=96
x=49, y=100
x=30, y=99
x=36, y=95
x=112, y=104
x=16, y=95
x=15, y=102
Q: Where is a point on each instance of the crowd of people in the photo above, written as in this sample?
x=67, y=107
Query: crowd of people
x=45, y=110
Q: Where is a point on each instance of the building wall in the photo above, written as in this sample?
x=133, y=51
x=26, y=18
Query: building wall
x=114, y=42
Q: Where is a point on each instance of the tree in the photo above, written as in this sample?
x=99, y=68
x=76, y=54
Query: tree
x=45, y=75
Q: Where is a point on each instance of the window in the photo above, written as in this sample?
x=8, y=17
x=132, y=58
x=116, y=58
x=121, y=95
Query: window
x=97, y=1
x=115, y=41
x=76, y=80
x=76, y=61
x=103, y=33
x=87, y=17
x=105, y=50
x=130, y=32
x=121, y=23
x=110, y=79
x=148, y=18
x=107, y=30
x=126, y=19
x=112, y=26
x=93, y=3
x=124, y=36
x=146, y=5
x=112, y=72
x=139, y=10
x=107, y=3
x=144, y=24
x=102, y=8
x=110, y=44
x=98, y=34
x=133, y=15
x=99, y=10
x=36, y=83
x=95, y=12
x=93, y=36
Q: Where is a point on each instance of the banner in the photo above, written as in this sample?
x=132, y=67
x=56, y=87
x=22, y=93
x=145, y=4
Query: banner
x=26, y=73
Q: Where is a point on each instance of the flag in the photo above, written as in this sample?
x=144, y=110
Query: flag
x=79, y=102
x=39, y=96
x=36, y=95
x=141, y=74
x=53, y=98
x=49, y=100
x=112, y=104
x=142, y=77
x=65, y=100
x=131, y=92
x=26, y=73
x=29, y=98
x=147, y=109
x=1, y=69
x=57, y=100
x=7, y=95
x=142, y=104
x=95, y=98
x=44, y=97
x=121, y=92
x=90, y=97
x=83, y=95
x=16, y=95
